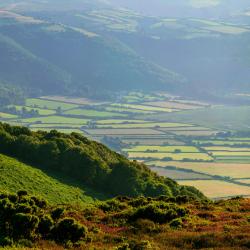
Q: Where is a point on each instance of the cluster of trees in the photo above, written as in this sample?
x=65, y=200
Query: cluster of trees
x=87, y=161
x=24, y=112
x=10, y=95
x=114, y=143
x=24, y=217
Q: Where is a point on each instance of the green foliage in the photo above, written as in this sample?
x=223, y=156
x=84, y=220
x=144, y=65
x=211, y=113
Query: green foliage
x=176, y=223
x=68, y=229
x=159, y=212
x=87, y=161
x=145, y=214
x=23, y=218
x=57, y=213
x=10, y=95
x=54, y=187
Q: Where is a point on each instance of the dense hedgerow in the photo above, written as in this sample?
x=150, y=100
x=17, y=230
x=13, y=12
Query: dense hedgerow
x=88, y=161
x=24, y=217
x=137, y=211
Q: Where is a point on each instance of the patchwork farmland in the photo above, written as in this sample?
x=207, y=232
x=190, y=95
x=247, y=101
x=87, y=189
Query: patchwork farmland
x=157, y=130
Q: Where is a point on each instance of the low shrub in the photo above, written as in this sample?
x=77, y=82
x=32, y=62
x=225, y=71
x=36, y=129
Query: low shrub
x=68, y=229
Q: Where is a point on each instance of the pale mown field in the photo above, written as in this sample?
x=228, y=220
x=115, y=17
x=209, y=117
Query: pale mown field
x=232, y=170
x=218, y=189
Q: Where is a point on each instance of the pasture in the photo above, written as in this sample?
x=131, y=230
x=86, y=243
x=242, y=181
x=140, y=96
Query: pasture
x=179, y=175
x=231, y=170
x=145, y=125
x=92, y=113
x=153, y=141
x=172, y=156
x=7, y=116
x=182, y=145
x=142, y=107
x=170, y=149
x=47, y=104
x=71, y=100
x=42, y=112
x=61, y=130
x=117, y=121
x=194, y=132
x=127, y=110
x=125, y=132
x=55, y=125
x=215, y=189
x=221, y=142
x=172, y=105
x=55, y=120
x=227, y=149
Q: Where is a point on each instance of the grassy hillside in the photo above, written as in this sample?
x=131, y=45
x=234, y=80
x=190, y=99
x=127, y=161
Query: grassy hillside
x=56, y=58
x=56, y=189
x=28, y=67
x=87, y=162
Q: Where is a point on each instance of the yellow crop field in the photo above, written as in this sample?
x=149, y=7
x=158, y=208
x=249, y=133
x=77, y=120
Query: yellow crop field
x=218, y=189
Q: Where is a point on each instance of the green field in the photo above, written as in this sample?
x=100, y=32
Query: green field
x=17, y=176
x=230, y=154
x=7, y=116
x=184, y=128
x=145, y=125
x=170, y=149
x=196, y=133
x=186, y=140
x=61, y=130
x=228, y=149
x=142, y=107
x=93, y=113
x=173, y=156
x=39, y=110
x=144, y=131
x=117, y=121
x=179, y=175
x=55, y=119
x=127, y=110
x=47, y=104
x=216, y=117
x=153, y=141
x=173, y=105
x=221, y=142
x=55, y=125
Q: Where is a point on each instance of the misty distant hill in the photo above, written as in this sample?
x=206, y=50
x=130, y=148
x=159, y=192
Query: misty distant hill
x=187, y=47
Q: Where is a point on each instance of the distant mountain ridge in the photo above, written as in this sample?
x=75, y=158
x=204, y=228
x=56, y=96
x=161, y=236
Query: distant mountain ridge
x=95, y=47
x=54, y=59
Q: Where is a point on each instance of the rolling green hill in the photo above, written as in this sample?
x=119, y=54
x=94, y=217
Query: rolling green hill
x=86, y=162
x=56, y=189
x=54, y=58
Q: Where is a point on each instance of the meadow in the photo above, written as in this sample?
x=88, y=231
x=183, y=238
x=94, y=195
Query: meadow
x=92, y=113
x=172, y=156
x=171, y=149
x=55, y=120
x=158, y=129
x=145, y=125
x=17, y=176
x=49, y=104
x=218, y=189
